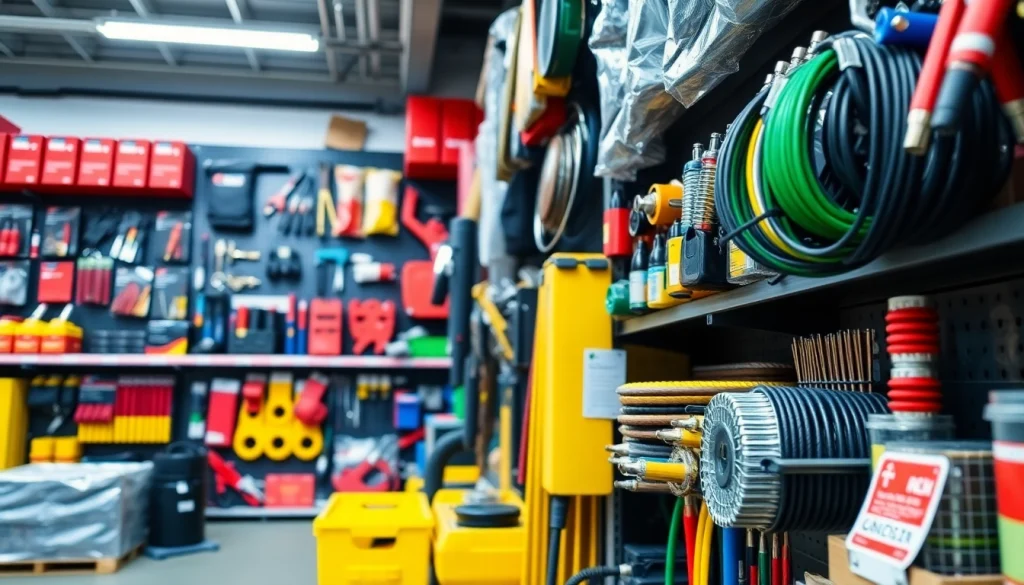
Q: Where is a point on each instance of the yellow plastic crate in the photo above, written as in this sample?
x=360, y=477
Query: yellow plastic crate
x=374, y=539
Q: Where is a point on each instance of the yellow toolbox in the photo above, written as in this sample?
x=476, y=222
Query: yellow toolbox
x=470, y=556
x=374, y=538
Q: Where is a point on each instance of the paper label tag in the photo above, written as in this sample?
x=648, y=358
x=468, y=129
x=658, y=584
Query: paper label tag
x=604, y=370
x=186, y=506
x=896, y=516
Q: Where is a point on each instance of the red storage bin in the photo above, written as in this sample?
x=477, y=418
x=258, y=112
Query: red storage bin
x=96, y=163
x=24, y=159
x=459, y=122
x=172, y=169
x=60, y=161
x=131, y=164
x=422, y=137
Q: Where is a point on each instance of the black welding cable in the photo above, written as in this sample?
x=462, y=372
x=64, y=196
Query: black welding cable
x=825, y=424
x=589, y=573
x=448, y=446
x=556, y=523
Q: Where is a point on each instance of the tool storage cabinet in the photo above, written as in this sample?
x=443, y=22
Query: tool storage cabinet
x=374, y=538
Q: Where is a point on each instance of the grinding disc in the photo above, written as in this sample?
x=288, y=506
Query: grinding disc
x=661, y=421
x=674, y=410
x=559, y=35
x=638, y=433
x=662, y=400
x=747, y=371
x=688, y=388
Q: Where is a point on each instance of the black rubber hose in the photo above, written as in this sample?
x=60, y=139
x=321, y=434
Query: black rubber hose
x=592, y=573
x=556, y=522
x=448, y=446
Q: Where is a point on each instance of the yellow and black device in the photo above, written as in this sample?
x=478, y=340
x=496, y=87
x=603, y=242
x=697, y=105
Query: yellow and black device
x=567, y=471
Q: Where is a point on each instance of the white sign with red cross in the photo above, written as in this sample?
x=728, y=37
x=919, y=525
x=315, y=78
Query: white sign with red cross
x=896, y=516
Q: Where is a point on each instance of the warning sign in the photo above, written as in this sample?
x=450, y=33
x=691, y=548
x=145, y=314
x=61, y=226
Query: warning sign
x=896, y=515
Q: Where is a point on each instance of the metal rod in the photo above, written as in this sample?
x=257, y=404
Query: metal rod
x=373, y=16
x=239, y=15
x=50, y=11
x=815, y=466
x=143, y=9
x=362, y=33
x=325, y=31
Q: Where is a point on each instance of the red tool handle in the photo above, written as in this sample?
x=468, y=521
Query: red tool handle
x=432, y=232
x=928, y=82
x=975, y=41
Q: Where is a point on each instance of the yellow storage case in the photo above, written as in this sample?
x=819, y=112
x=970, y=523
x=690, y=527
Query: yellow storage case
x=571, y=305
x=41, y=450
x=13, y=421
x=374, y=538
x=471, y=556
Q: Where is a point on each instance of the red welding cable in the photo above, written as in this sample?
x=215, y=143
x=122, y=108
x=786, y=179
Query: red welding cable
x=787, y=561
x=918, y=132
x=969, y=59
x=1008, y=79
x=690, y=517
x=776, y=561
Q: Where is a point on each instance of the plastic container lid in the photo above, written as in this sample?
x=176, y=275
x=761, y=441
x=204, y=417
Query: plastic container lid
x=1005, y=406
x=949, y=448
x=366, y=512
x=909, y=422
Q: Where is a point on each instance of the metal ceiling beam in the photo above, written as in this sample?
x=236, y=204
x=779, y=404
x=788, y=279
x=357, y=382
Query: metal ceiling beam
x=50, y=11
x=6, y=50
x=61, y=76
x=239, y=13
x=373, y=17
x=325, y=31
x=420, y=20
x=362, y=33
x=143, y=9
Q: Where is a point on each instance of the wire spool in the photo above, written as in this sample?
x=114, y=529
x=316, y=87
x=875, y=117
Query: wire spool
x=863, y=195
x=964, y=537
x=781, y=422
x=560, y=173
x=692, y=463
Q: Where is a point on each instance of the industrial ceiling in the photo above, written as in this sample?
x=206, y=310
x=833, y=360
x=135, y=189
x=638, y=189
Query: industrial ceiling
x=372, y=52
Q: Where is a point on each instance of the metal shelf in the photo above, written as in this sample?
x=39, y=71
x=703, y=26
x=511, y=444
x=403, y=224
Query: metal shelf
x=968, y=254
x=249, y=512
x=340, y=362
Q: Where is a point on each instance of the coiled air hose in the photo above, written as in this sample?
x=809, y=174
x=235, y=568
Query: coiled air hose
x=741, y=431
x=821, y=183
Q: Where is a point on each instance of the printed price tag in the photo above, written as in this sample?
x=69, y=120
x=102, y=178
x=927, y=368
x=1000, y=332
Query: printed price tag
x=896, y=516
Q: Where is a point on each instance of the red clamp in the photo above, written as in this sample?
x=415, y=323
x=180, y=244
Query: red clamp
x=431, y=232
x=252, y=392
x=371, y=322
x=309, y=407
x=225, y=475
x=357, y=479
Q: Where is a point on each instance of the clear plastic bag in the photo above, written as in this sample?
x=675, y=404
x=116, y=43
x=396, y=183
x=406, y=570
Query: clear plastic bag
x=492, y=191
x=634, y=139
x=707, y=39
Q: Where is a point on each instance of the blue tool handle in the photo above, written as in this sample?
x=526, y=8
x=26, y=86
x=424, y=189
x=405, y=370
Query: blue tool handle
x=218, y=328
x=289, y=339
x=908, y=29
x=301, y=337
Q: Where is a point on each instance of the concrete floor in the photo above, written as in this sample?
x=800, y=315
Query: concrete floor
x=273, y=552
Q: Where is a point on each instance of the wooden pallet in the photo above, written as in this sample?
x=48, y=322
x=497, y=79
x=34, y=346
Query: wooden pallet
x=67, y=566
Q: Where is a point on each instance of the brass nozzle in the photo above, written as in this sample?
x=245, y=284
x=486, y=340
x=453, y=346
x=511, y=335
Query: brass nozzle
x=919, y=132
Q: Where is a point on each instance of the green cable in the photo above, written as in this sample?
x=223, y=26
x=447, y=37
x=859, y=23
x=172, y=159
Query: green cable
x=673, y=539
x=764, y=567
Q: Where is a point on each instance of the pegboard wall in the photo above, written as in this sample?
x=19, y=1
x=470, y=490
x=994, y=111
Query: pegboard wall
x=376, y=413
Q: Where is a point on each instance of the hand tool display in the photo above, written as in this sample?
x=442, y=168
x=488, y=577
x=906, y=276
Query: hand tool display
x=172, y=235
x=15, y=230
x=380, y=213
x=225, y=475
x=230, y=188
x=276, y=202
x=60, y=233
x=330, y=270
x=127, y=409
x=167, y=337
x=326, y=213
x=349, y=182
x=56, y=282
x=370, y=322
x=133, y=288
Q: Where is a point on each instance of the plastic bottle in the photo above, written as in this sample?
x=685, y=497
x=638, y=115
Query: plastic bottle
x=657, y=296
x=638, y=279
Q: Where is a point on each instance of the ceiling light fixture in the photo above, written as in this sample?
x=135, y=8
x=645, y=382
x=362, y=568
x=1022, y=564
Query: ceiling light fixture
x=207, y=35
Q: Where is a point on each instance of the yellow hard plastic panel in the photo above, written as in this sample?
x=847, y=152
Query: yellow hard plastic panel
x=13, y=421
x=572, y=302
x=475, y=556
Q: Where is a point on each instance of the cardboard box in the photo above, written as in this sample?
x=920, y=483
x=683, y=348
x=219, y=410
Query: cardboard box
x=24, y=160
x=96, y=163
x=172, y=169
x=840, y=573
x=345, y=134
x=131, y=164
x=60, y=161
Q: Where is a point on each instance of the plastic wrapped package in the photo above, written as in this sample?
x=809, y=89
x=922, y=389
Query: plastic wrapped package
x=492, y=191
x=381, y=215
x=349, y=182
x=698, y=59
x=634, y=140
x=73, y=510
x=608, y=44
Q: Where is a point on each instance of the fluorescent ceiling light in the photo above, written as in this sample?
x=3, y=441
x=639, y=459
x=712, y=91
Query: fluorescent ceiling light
x=205, y=35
